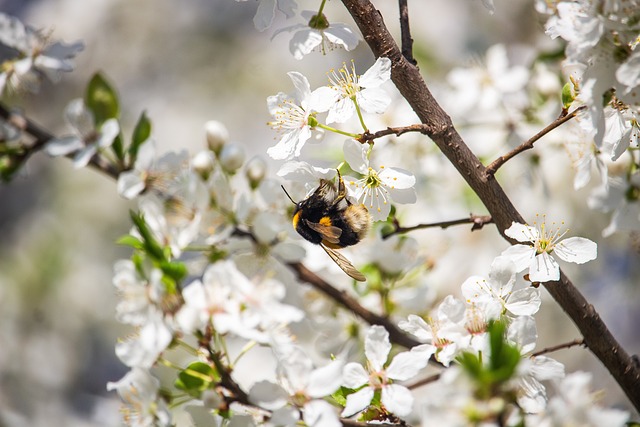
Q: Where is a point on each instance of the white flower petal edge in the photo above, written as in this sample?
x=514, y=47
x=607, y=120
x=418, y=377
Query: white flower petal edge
x=576, y=249
x=357, y=401
x=377, y=346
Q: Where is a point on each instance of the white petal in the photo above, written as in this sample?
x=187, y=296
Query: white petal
x=318, y=413
x=404, y=196
x=130, y=184
x=397, y=399
x=342, y=35
x=322, y=99
x=108, y=133
x=268, y=395
x=544, y=269
x=407, y=364
x=79, y=117
x=373, y=100
x=524, y=302
x=576, y=249
x=418, y=327
x=377, y=346
x=63, y=146
x=264, y=15
x=357, y=401
x=545, y=368
x=285, y=148
x=83, y=157
x=475, y=289
x=300, y=82
x=326, y=380
x=397, y=178
x=303, y=42
x=520, y=255
x=354, y=375
x=522, y=331
x=502, y=275
x=379, y=73
x=295, y=170
x=355, y=155
x=341, y=111
x=522, y=233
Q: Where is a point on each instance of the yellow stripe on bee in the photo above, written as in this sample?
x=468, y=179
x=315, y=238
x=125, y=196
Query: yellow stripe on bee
x=295, y=220
x=326, y=221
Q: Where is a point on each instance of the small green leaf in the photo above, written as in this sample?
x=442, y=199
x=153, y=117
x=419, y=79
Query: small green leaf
x=567, y=96
x=174, y=269
x=196, y=378
x=340, y=395
x=102, y=99
x=129, y=240
x=151, y=245
x=141, y=133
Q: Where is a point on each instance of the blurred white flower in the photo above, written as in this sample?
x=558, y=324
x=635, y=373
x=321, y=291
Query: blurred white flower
x=300, y=392
x=319, y=34
x=350, y=89
x=36, y=55
x=87, y=139
x=143, y=349
x=576, y=404
x=541, y=243
x=143, y=406
x=395, y=398
x=379, y=187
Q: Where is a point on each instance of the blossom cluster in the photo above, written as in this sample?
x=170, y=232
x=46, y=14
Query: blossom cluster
x=216, y=272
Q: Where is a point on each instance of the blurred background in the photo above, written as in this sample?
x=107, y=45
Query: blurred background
x=188, y=62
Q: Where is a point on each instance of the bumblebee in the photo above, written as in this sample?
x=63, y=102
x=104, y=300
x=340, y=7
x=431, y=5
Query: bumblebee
x=327, y=218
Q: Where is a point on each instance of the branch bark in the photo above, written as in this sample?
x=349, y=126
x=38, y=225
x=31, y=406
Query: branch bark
x=440, y=129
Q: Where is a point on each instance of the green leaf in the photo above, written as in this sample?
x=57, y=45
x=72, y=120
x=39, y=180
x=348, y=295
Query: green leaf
x=196, y=378
x=141, y=133
x=129, y=240
x=150, y=244
x=340, y=395
x=174, y=269
x=102, y=99
x=567, y=95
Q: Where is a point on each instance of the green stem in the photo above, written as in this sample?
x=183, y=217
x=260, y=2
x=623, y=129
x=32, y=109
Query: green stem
x=244, y=350
x=341, y=132
x=364, y=127
x=322, y=7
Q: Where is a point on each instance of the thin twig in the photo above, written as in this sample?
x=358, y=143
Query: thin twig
x=424, y=381
x=407, y=41
x=478, y=222
x=397, y=131
x=559, y=347
x=527, y=145
x=42, y=136
x=341, y=297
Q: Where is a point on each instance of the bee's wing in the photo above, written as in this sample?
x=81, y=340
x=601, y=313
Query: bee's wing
x=328, y=232
x=344, y=264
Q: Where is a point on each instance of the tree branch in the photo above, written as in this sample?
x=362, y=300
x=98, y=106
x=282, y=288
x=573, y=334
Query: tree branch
x=407, y=41
x=527, y=145
x=41, y=137
x=397, y=131
x=440, y=129
x=558, y=347
x=341, y=297
x=478, y=222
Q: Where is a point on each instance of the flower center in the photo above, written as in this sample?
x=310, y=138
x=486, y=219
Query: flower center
x=289, y=117
x=345, y=81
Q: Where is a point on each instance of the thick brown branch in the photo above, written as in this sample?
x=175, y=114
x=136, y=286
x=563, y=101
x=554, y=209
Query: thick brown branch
x=411, y=85
x=395, y=335
x=558, y=347
x=527, y=145
x=478, y=222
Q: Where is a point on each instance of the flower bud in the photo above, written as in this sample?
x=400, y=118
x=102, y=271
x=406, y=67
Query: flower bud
x=255, y=171
x=217, y=135
x=203, y=163
x=231, y=157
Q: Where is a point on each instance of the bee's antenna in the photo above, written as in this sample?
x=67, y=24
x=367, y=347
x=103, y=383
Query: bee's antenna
x=285, y=192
